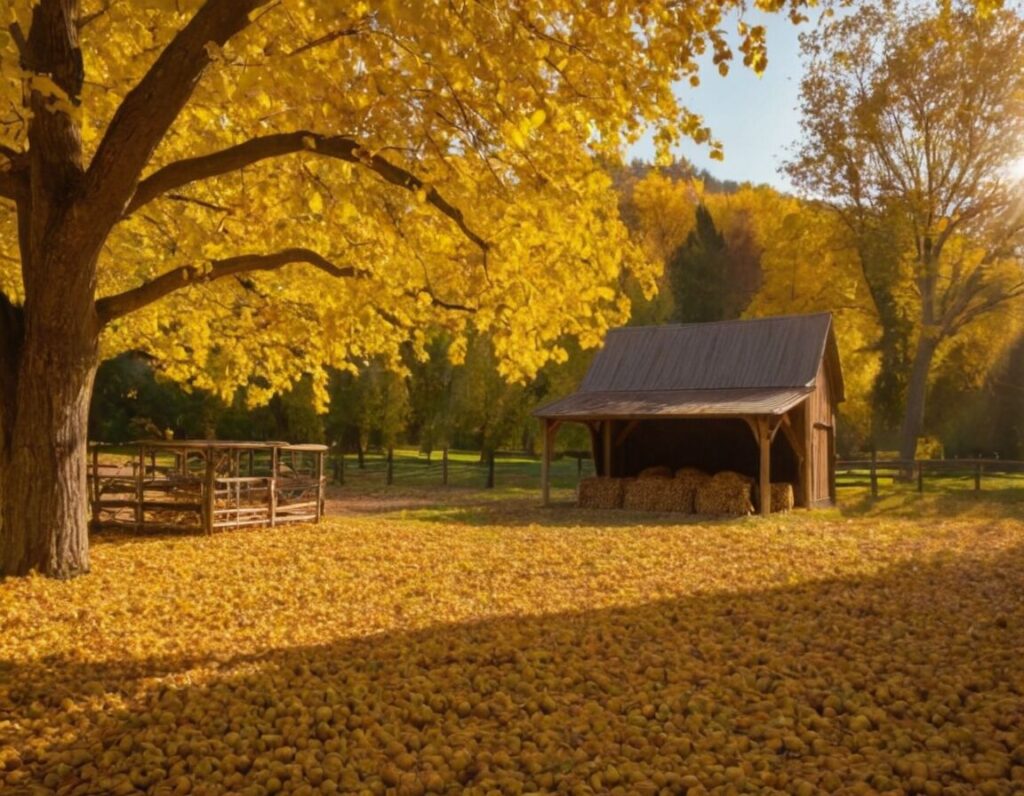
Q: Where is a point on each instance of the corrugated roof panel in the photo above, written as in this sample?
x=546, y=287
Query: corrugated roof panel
x=759, y=353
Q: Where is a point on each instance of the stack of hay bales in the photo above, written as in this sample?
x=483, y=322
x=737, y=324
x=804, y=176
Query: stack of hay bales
x=689, y=490
x=654, y=493
x=782, y=497
x=600, y=493
x=726, y=492
x=687, y=481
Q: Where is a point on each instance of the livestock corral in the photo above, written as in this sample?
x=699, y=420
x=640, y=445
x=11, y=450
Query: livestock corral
x=205, y=485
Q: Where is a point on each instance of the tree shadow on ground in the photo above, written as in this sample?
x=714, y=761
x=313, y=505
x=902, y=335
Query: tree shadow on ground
x=522, y=507
x=912, y=679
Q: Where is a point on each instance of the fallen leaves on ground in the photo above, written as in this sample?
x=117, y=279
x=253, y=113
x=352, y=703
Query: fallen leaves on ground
x=525, y=651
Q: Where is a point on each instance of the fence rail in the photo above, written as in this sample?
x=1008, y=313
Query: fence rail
x=398, y=467
x=870, y=472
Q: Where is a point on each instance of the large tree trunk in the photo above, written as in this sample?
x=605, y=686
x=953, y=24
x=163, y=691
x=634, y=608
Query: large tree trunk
x=917, y=389
x=44, y=497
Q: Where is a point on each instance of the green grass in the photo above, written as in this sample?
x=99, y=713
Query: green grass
x=411, y=468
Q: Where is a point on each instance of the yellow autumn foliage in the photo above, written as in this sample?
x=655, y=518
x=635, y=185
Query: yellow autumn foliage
x=502, y=113
x=513, y=650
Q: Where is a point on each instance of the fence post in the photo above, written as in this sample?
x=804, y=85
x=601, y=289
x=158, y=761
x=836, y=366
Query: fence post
x=272, y=487
x=874, y=472
x=444, y=466
x=490, y=470
x=321, y=483
x=920, y=477
x=140, y=490
x=95, y=484
x=209, y=488
x=977, y=476
x=391, y=465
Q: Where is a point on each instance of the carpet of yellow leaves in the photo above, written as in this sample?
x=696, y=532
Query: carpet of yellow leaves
x=515, y=650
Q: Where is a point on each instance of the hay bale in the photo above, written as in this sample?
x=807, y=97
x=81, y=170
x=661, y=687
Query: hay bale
x=782, y=497
x=657, y=494
x=658, y=471
x=692, y=477
x=726, y=492
x=688, y=480
x=600, y=493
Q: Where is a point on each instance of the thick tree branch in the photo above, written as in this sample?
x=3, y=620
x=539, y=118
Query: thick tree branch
x=13, y=174
x=182, y=172
x=328, y=38
x=112, y=307
x=986, y=306
x=10, y=185
x=18, y=36
x=149, y=109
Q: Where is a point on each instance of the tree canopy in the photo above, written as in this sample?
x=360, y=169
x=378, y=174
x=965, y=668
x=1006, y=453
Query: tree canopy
x=404, y=163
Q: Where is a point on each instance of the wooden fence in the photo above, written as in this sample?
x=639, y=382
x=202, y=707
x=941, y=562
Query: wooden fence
x=502, y=468
x=972, y=472
x=205, y=485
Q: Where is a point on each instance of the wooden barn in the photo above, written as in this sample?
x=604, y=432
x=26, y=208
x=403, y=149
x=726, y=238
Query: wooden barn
x=757, y=397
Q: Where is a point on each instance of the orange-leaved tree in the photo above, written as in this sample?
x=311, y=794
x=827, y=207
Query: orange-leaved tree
x=249, y=190
x=913, y=133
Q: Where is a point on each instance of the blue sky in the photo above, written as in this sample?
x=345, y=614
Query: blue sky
x=756, y=119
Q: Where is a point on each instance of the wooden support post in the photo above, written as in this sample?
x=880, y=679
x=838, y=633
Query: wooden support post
x=545, y=462
x=320, y=485
x=444, y=466
x=606, y=428
x=874, y=473
x=391, y=466
x=272, y=488
x=764, y=471
x=920, y=477
x=977, y=476
x=490, y=470
x=209, y=484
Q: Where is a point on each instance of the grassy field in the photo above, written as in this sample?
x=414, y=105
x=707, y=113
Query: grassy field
x=516, y=474
x=465, y=469
x=424, y=641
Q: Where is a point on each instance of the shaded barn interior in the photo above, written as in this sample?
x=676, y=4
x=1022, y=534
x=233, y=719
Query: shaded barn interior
x=754, y=397
x=711, y=445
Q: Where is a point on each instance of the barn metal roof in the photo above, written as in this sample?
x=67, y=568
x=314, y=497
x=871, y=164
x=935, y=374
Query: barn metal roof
x=674, y=403
x=758, y=366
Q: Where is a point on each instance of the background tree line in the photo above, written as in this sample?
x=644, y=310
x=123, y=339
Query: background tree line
x=729, y=251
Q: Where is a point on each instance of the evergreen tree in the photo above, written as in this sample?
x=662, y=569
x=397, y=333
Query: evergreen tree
x=697, y=273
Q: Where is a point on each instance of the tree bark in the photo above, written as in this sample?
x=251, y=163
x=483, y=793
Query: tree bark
x=44, y=498
x=917, y=389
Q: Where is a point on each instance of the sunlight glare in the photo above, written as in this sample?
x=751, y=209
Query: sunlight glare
x=1016, y=169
